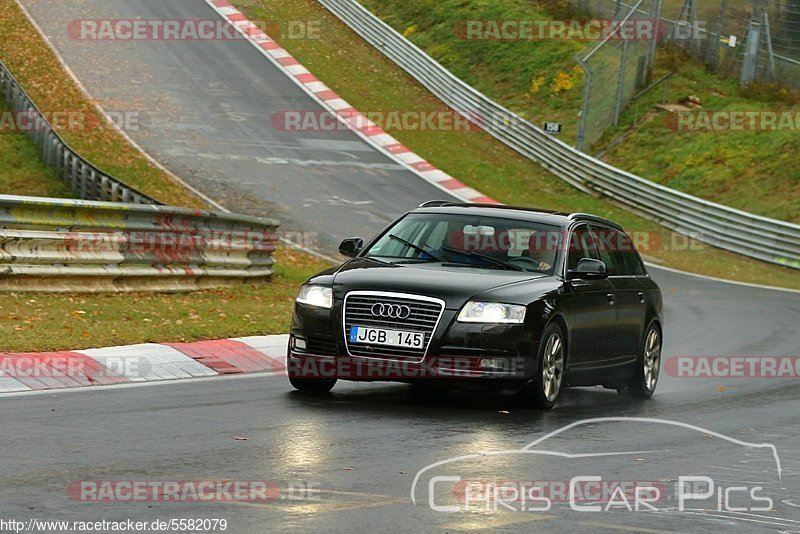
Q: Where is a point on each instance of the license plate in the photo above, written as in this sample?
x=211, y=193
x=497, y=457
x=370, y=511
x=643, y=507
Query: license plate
x=381, y=336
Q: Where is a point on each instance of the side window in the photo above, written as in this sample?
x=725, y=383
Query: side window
x=581, y=245
x=633, y=262
x=610, y=245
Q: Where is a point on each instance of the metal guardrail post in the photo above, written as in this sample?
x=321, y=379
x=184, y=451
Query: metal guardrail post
x=751, y=49
x=713, y=58
x=623, y=65
x=651, y=53
x=587, y=90
x=770, y=51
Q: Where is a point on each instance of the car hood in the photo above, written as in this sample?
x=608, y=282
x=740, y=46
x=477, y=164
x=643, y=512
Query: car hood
x=454, y=285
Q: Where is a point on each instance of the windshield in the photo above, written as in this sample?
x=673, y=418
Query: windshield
x=467, y=240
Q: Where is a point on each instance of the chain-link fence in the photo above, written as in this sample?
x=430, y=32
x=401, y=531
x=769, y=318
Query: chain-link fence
x=756, y=40
x=779, y=51
x=617, y=68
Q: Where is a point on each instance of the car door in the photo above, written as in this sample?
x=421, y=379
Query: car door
x=590, y=311
x=629, y=297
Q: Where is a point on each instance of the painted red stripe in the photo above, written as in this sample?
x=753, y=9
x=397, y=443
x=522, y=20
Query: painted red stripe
x=485, y=200
x=32, y=370
x=397, y=148
x=206, y=353
x=451, y=184
x=423, y=166
x=372, y=130
x=8, y=364
x=269, y=45
x=327, y=95
x=60, y=373
x=307, y=77
x=227, y=356
x=99, y=374
x=221, y=3
x=237, y=17
x=288, y=61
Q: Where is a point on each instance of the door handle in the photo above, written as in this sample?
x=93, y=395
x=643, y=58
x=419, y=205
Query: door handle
x=611, y=299
x=641, y=298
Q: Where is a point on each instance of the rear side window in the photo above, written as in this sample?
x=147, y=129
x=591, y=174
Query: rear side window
x=581, y=245
x=633, y=262
x=617, y=252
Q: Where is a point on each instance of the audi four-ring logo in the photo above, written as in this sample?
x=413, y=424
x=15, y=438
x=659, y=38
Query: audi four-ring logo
x=391, y=311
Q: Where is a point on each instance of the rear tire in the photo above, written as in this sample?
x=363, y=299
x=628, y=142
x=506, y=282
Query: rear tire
x=542, y=390
x=643, y=383
x=313, y=385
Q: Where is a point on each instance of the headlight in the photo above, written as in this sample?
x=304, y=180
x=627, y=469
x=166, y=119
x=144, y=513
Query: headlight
x=319, y=296
x=492, y=312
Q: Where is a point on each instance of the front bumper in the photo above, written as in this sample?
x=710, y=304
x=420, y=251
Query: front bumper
x=457, y=352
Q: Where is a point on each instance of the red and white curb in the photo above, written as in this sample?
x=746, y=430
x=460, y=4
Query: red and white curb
x=148, y=362
x=344, y=112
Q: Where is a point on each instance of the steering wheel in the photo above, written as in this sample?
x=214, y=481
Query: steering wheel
x=524, y=261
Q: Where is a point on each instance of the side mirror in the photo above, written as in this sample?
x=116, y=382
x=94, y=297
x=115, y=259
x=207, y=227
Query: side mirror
x=588, y=269
x=351, y=246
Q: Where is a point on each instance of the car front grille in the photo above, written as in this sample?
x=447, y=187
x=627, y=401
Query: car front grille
x=425, y=313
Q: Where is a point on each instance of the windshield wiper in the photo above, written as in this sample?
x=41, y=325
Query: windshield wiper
x=487, y=258
x=418, y=248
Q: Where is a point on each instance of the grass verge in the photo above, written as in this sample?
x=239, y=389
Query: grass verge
x=37, y=68
x=22, y=171
x=35, y=322
x=370, y=82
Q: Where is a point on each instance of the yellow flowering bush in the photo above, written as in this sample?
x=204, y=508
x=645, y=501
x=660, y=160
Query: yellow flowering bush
x=562, y=83
x=537, y=84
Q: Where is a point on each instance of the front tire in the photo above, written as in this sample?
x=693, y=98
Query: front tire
x=543, y=390
x=645, y=379
x=312, y=385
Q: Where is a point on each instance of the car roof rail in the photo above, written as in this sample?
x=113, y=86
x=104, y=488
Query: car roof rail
x=434, y=203
x=588, y=217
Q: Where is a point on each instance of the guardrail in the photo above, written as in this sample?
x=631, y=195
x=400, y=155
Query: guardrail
x=60, y=245
x=129, y=243
x=721, y=226
x=85, y=180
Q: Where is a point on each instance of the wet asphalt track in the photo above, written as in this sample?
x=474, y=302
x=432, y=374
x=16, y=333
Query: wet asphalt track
x=363, y=445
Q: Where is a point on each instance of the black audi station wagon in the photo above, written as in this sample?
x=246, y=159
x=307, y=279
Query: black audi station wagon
x=473, y=295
